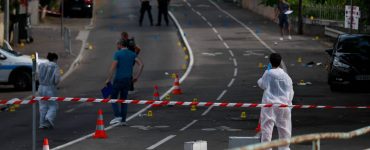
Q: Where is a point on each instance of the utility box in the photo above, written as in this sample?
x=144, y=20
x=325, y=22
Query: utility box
x=195, y=145
x=237, y=141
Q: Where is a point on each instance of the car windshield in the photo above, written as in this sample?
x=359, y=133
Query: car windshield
x=355, y=45
x=11, y=52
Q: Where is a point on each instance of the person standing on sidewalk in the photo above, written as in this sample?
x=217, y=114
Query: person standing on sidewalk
x=281, y=14
x=278, y=89
x=145, y=7
x=49, y=77
x=162, y=10
x=122, y=67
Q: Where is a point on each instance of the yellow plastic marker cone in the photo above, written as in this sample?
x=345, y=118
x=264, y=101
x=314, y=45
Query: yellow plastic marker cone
x=195, y=100
x=173, y=75
x=179, y=43
x=61, y=71
x=260, y=65
x=184, y=66
x=301, y=82
x=311, y=18
x=193, y=108
x=168, y=97
x=22, y=45
x=12, y=109
x=186, y=57
x=90, y=47
x=299, y=60
x=243, y=115
x=150, y=113
x=184, y=48
x=16, y=105
x=317, y=38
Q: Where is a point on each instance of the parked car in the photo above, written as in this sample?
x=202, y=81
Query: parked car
x=349, y=61
x=78, y=8
x=16, y=68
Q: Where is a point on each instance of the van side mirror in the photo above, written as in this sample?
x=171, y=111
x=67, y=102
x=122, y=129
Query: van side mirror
x=2, y=57
x=329, y=51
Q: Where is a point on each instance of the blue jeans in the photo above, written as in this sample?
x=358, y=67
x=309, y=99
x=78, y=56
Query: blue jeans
x=121, y=88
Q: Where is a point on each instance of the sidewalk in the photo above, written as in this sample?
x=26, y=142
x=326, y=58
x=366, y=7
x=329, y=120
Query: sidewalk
x=47, y=38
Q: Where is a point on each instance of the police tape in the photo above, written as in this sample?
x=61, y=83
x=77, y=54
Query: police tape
x=174, y=103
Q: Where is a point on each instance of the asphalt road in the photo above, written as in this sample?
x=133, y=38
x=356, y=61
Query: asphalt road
x=160, y=54
x=226, y=68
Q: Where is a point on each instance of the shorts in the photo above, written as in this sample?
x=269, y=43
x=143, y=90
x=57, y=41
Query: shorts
x=283, y=21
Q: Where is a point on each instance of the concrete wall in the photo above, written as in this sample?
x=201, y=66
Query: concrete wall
x=253, y=5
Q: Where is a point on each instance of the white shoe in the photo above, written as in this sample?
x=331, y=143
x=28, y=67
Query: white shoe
x=281, y=38
x=290, y=37
x=115, y=120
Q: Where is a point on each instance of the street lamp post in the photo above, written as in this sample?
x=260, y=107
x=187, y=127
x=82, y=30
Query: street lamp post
x=6, y=20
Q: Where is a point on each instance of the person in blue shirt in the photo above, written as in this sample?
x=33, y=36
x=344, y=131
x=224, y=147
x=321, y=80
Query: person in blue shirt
x=122, y=68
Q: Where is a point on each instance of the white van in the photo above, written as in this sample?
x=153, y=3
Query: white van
x=16, y=68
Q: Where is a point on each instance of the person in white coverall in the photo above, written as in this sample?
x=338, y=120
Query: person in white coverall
x=278, y=89
x=49, y=77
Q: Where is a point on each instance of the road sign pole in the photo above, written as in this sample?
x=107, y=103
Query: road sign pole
x=34, y=105
x=351, y=18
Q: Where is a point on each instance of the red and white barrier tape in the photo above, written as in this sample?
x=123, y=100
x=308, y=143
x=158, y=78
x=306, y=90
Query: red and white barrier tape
x=178, y=103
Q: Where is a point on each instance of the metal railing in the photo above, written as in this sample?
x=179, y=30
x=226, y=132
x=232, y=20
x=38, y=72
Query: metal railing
x=324, y=12
x=315, y=138
x=332, y=32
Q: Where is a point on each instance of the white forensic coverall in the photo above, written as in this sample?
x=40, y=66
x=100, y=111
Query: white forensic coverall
x=49, y=77
x=278, y=89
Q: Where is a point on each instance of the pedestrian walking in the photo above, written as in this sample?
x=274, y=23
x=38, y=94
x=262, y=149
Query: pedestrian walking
x=281, y=13
x=278, y=89
x=162, y=11
x=49, y=77
x=122, y=68
x=145, y=7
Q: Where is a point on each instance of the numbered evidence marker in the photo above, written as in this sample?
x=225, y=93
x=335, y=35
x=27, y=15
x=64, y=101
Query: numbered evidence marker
x=243, y=115
x=150, y=113
x=194, y=107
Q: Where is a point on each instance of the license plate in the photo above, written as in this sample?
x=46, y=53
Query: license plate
x=363, y=77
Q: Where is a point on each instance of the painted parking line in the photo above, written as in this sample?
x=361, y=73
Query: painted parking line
x=161, y=142
x=188, y=125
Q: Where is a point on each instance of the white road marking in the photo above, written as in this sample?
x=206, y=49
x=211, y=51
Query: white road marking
x=214, y=30
x=161, y=142
x=219, y=37
x=231, y=82
x=235, y=72
x=198, y=13
x=250, y=30
x=204, y=18
x=188, y=125
x=209, y=24
x=231, y=53
x=186, y=74
x=235, y=63
x=227, y=46
x=221, y=95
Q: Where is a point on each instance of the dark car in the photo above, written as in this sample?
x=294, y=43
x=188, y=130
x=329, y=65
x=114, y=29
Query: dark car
x=78, y=8
x=349, y=61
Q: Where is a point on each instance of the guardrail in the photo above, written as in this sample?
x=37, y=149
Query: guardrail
x=315, y=138
x=332, y=32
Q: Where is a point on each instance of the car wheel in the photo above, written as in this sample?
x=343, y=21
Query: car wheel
x=22, y=81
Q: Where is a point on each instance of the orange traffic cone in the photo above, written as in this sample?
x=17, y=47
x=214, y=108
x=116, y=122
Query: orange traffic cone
x=45, y=146
x=156, y=94
x=99, y=131
x=176, y=84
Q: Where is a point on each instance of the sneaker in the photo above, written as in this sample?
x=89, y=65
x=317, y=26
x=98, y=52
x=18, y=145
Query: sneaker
x=281, y=38
x=290, y=37
x=115, y=120
x=123, y=123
